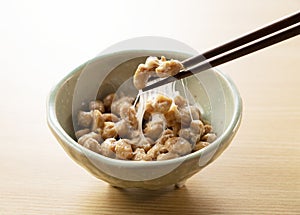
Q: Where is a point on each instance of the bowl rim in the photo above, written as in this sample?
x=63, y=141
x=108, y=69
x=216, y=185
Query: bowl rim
x=56, y=128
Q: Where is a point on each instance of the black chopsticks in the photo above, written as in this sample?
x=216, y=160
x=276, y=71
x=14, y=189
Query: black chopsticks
x=266, y=36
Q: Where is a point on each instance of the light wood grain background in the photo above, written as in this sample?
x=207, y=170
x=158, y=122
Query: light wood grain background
x=42, y=41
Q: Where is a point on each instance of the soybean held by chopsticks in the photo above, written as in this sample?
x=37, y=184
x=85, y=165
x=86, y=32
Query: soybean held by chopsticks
x=268, y=35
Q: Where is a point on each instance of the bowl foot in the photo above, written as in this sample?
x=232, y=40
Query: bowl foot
x=180, y=184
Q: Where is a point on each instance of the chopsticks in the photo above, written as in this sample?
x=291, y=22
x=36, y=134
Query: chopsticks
x=266, y=36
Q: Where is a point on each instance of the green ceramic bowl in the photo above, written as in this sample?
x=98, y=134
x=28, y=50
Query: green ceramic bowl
x=216, y=94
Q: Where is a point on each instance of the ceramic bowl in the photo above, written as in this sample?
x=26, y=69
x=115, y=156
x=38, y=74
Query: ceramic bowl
x=214, y=91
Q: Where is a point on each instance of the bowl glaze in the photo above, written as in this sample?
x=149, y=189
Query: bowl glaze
x=214, y=91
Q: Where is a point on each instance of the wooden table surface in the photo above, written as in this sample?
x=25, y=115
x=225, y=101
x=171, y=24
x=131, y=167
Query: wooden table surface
x=42, y=41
